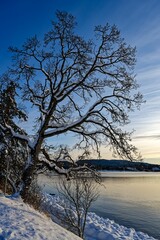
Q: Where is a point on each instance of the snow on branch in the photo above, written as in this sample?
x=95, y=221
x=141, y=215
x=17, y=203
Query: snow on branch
x=16, y=135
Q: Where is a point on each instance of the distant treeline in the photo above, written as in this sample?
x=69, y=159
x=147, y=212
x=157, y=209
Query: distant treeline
x=122, y=165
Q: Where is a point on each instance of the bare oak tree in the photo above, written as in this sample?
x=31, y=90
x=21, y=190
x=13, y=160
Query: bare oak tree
x=77, y=86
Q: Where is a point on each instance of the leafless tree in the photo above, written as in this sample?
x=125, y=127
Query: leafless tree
x=77, y=86
x=78, y=194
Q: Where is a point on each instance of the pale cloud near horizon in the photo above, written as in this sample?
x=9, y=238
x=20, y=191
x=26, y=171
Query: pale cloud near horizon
x=154, y=136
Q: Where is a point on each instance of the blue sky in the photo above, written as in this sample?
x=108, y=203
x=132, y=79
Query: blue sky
x=139, y=23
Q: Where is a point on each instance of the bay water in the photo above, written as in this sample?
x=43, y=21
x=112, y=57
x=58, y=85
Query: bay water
x=131, y=199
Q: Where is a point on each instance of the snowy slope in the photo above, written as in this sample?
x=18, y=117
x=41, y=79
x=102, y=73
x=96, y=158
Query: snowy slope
x=18, y=221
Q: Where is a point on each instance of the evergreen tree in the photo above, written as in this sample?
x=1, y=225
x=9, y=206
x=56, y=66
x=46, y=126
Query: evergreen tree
x=12, y=151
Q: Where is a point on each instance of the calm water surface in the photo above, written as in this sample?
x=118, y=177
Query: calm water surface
x=130, y=199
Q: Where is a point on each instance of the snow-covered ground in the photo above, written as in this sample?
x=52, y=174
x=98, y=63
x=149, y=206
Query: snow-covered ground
x=18, y=221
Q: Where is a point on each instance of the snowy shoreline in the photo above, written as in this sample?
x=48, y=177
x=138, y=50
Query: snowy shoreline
x=97, y=228
x=20, y=222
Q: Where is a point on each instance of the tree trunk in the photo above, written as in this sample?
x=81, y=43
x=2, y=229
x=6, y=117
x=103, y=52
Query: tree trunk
x=27, y=180
x=28, y=177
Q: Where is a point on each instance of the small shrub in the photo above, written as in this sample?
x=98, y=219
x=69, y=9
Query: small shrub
x=34, y=196
x=78, y=195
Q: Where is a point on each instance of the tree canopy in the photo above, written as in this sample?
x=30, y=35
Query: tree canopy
x=78, y=86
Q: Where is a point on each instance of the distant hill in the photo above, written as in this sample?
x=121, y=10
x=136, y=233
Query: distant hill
x=121, y=165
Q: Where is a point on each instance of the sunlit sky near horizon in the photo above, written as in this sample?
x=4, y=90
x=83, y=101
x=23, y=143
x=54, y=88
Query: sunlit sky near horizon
x=139, y=23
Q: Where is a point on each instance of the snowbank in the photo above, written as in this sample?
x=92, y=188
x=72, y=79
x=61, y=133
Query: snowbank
x=97, y=228
x=18, y=221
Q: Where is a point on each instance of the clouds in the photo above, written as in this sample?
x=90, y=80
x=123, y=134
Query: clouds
x=144, y=137
x=146, y=122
